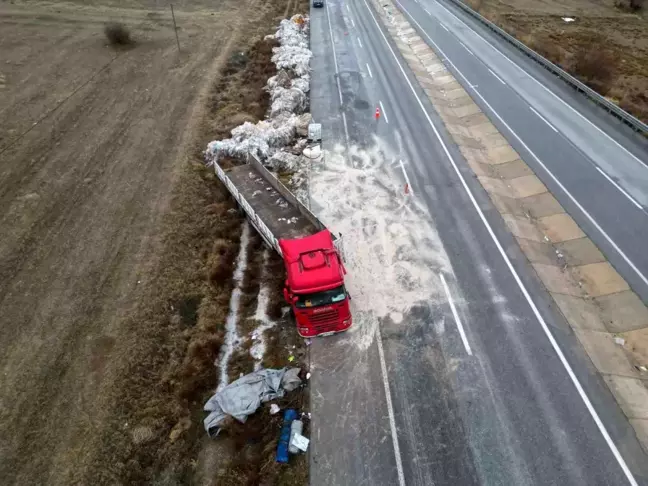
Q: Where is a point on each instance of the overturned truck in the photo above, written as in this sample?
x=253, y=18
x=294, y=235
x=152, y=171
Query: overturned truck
x=314, y=286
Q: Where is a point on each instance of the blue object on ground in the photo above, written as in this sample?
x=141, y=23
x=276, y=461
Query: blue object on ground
x=284, y=439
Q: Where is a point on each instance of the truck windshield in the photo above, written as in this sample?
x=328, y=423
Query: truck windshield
x=325, y=297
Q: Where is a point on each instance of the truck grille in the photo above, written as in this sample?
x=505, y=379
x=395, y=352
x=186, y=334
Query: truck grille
x=324, y=319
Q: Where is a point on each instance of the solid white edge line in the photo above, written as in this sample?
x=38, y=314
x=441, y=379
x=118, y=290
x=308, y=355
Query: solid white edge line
x=369, y=69
x=382, y=108
x=543, y=119
x=544, y=167
x=518, y=280
x=337, y=70
x=409, y=184
x=465, y=47
x=545, y=88
x=621, y=189
x=444, y=27
x=455, y=314
x=390, y=409
x=346, y=129
x=498, y=78
x=359, y=42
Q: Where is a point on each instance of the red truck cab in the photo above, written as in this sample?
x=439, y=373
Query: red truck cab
x=315, y=285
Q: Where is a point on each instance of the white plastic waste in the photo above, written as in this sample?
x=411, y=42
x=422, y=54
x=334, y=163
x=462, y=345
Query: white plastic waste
x=288, y=98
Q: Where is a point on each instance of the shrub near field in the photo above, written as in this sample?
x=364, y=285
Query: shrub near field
x=606, y=47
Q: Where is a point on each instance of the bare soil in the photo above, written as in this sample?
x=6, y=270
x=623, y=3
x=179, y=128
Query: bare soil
x=117, y=244
x=615, y=39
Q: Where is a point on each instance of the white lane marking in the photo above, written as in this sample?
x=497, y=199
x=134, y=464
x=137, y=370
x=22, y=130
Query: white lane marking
x=444, y=27
x=632, y=200
x=547, y=89
x=390, y=410
x=382, y=109
x=359, y=42
x=409, y=184
x=456, y=315
x=498, y=78
x=347, y=6
x=426, y=11
x=369, y=70
x=337, y=70
x=543, y=119
x=544, y=167
x=353, y=23
x=464, y=46
x=346, y=129
x=518, y=280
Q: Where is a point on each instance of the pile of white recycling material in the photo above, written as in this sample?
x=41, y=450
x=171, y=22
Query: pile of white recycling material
x=287, y=119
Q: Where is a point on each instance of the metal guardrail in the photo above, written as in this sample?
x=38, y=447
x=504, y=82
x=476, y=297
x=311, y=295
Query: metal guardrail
x=613, y=109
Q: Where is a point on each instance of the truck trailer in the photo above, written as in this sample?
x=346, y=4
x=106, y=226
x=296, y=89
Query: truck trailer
x=314, y=286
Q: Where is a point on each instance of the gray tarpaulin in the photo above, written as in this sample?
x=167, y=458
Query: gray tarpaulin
x=244, y=396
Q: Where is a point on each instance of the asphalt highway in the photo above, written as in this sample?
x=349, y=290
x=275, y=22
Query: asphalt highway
x=593, y=164
x=482, y=383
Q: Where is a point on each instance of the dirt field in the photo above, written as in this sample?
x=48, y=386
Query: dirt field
x=115, y=241
x=606, y=46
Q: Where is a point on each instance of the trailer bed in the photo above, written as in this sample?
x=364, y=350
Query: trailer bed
x=283, y=219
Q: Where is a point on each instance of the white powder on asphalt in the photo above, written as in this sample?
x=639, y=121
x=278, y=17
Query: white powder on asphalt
x=231, y=324
x=393, y=251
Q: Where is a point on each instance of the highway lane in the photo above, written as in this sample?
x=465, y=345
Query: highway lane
x=596, y=171
x=506, y=412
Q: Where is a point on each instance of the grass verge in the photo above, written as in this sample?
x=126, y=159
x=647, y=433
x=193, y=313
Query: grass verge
x=155, y=434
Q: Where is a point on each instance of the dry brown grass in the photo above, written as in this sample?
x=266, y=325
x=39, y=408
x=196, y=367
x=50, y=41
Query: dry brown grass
x=596, y=66
x=629, y=5
x=117, y=34
x=605, y=48
x=546, y=47
x=240, y=95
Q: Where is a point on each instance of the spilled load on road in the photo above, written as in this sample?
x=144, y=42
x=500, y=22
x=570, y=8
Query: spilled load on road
x=312, y=254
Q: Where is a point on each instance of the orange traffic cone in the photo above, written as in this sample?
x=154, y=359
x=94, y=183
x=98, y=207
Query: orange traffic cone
x=377, y=113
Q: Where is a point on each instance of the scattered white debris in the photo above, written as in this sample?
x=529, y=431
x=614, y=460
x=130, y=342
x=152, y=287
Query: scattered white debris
x=274, y=409
x=284, y=162
x=569, y=19
x=392, y=248
x=288, y=99
x=300, y=442
x=261, y=315
x=308, y=375
x=619, y=340
x=292, y=220
x=231, y=323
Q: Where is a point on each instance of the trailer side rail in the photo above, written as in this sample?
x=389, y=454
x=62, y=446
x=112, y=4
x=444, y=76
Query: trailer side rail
x=290, y=198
